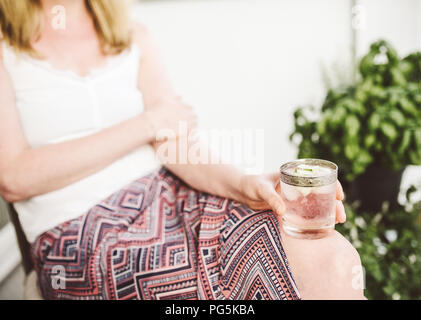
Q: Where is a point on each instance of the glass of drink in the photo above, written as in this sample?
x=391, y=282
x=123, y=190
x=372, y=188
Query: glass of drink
x=308, y=187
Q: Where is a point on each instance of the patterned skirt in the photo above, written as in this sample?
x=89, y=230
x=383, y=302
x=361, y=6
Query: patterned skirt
x=157, y=238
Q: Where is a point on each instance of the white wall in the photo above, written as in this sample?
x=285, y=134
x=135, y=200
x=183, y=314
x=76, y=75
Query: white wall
x=250, y=63
x=397, y=21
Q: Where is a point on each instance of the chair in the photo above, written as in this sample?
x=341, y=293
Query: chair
x=31, y=291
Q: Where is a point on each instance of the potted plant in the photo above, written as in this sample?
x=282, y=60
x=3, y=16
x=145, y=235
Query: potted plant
x=389, y=246
x=371, y=129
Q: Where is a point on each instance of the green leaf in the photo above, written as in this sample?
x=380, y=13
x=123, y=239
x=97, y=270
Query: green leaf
x=397, y=117
x=321, y=127
x=415, y=157
x=352, y=125
x=417, y=98
x=374, y=121
x=417, y=135
x=398, y=77
x=364, y=158
x=389, y=130
x=358, y=168
x=338, y=116
x=354, y=106
x=369, y=140
x=406, y=140
x=336, y=149
x=408, y=106
x=322, y=124
x=351, y=150
x=378, y=92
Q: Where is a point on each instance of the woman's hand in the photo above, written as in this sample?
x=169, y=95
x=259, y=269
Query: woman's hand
x=167, y=115
x=262, y=192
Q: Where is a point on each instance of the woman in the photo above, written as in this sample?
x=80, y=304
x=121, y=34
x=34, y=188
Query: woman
x=82, y=100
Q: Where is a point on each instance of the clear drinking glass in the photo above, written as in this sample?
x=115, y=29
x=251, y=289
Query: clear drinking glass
x=308, y=187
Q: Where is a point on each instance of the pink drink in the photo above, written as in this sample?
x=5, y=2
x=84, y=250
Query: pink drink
x=309, y=191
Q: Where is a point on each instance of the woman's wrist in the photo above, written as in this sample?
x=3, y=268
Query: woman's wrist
x=248, y=188
x=149, y=126
x=238, y=189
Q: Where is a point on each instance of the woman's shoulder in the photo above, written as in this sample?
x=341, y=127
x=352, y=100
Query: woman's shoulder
x=142, y=36
x=140, y=33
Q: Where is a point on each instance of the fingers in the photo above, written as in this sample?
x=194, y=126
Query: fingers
x=339, y=192
x=274, y=177
x=278, y=187
x=273, y=199
x=340, y=212
x=340, y=209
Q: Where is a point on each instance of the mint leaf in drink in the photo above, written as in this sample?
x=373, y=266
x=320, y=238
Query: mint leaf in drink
x=306, y=170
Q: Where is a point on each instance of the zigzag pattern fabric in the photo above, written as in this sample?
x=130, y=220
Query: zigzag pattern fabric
x=160, y=239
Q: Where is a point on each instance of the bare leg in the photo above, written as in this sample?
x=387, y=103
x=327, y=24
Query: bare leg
x=328, y=268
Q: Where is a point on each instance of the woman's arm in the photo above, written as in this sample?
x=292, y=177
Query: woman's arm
x=27, y=172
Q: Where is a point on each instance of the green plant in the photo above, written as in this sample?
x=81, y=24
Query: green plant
x=389, y=244
x=376, y=121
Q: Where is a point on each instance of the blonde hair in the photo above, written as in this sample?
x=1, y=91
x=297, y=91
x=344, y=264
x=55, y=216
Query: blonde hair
x=20, y=23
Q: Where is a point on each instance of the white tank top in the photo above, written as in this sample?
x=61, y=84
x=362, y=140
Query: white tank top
x=56, y=106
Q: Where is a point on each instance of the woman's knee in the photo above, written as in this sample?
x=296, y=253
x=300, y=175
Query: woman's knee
x=328, y=268
x=344, y=275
